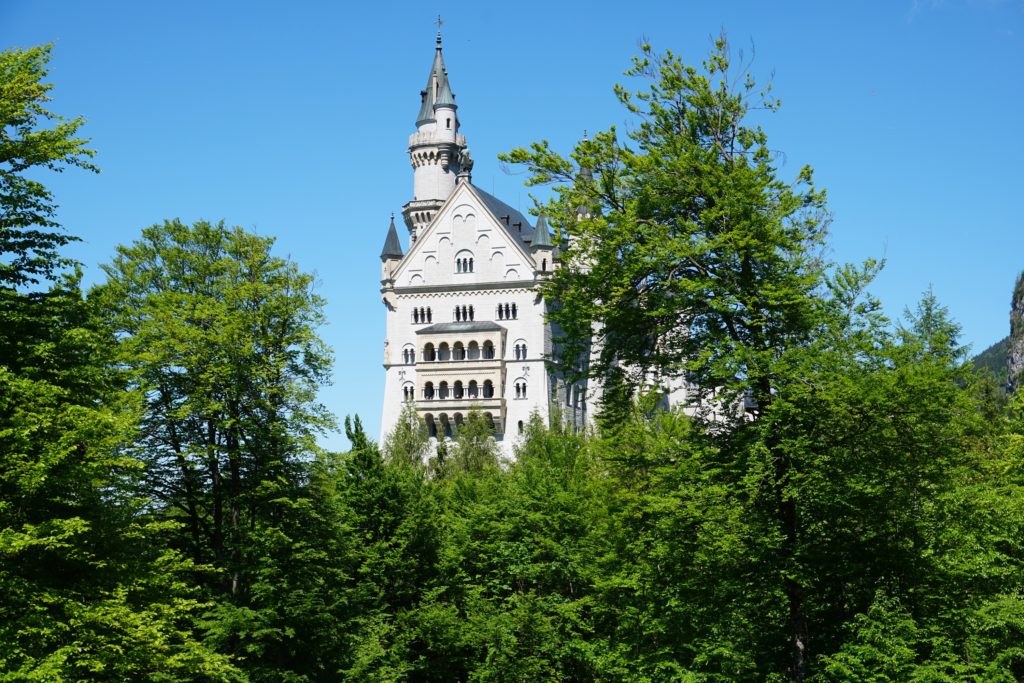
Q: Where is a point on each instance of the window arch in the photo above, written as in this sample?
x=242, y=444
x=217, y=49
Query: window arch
x=442, y=391
x=409, y=354
x=463, y=313
x=519, y=350
x=464, y=261
x=488, y=389
x=444, y=352
x=408, y=392
x=508, y=311
x=457, y=389
x=428, y=352
x=519, y=387
x=520, y=426
x=473, y=352
x=488, y=350
x=422, y=315
x=458, y=351
x=428, y=391
x=474, y=389
x=431, y=425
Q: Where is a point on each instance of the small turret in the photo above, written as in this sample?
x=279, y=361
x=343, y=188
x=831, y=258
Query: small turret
x=541, y=246
x=391, y=255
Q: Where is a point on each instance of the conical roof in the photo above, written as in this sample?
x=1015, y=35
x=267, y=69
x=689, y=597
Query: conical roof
x=438, y=76
x=392, y=247
x=541, y=236
x=445, y=96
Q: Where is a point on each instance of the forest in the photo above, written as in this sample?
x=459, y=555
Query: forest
x=845, y=502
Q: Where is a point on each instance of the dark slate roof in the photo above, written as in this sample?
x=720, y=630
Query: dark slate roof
x=541, y=236
x=482, y=326
x=500, y=209
x=392, y=247
x=445, y=96
x=438, y=75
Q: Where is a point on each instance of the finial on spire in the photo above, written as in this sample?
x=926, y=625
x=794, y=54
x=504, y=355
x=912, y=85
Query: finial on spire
x=439, y=23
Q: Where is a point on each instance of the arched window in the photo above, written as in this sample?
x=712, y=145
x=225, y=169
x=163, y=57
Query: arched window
x=428, y=391
x=508, y=312
x=442, y=391
x=457, y=390
x=470, y=312
x=520, y=426
x=458, y=421
x=544, y=266
x=488, y=389
x=464, y=261
x=447, y=424
x=431, y=425
x=492, y=422
x=429, y=317
x=501, y=312
x=514, y=312
x=520, y=388
x=474, y=391
x=428, y=353
x=458, y=314
x=458, y=351
x=443, y=352
x=473, y=351
x=488, y=350
x=416, y=315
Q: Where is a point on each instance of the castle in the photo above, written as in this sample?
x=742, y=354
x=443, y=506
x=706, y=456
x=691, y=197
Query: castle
x=466, y=323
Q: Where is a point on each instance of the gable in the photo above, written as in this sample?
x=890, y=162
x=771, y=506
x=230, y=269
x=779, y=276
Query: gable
x=466, y=244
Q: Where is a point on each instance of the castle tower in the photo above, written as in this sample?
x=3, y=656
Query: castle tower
x=437, y=151
x=465, y=310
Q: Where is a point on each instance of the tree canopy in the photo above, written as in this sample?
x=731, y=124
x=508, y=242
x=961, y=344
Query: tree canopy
x=841, y=500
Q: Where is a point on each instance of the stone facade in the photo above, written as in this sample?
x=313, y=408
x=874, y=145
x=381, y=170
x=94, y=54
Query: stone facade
x=465, y=318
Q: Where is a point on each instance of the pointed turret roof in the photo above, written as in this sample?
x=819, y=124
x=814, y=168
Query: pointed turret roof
x=445, y=96
x=541, y=236
x=436, y=82
x=392, y=247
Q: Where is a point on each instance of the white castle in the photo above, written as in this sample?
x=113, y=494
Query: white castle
x=466, y=323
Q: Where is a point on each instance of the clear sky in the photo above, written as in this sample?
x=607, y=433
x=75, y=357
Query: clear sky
x=292, y=119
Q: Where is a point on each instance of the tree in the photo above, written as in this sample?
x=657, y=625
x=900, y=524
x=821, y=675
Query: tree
x=683, y=245
x=689, y=254
x=91, y=592
x=30, y=237
x=220, y=337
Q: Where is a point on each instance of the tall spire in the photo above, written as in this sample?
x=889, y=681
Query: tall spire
x=436, y=80
x=437, y=149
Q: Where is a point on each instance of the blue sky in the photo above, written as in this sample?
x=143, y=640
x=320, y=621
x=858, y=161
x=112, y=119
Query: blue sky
x=291, y=120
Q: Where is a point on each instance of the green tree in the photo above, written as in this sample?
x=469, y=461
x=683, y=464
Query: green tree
x=90, y=590
x=30, y=237
x=690, y=255
x=220, y=336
